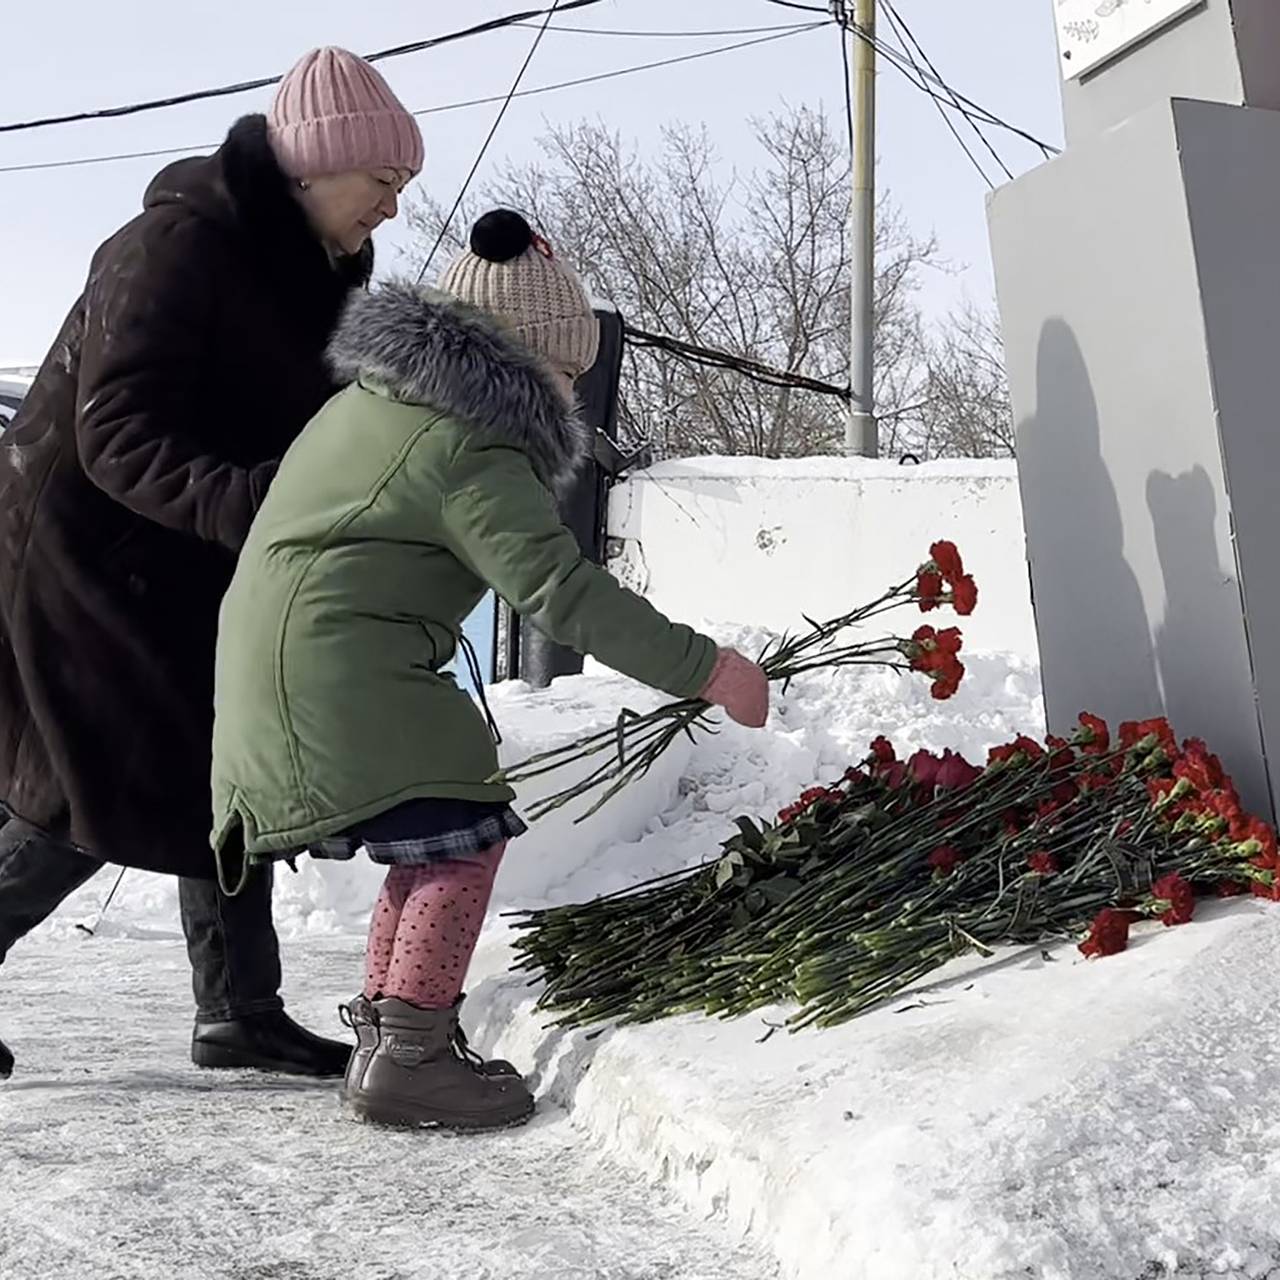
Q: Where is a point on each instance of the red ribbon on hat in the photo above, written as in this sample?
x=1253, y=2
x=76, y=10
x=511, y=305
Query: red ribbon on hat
x=543, y=245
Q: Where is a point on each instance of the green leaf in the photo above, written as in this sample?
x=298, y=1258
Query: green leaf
x=752, y=836
x=777, y=889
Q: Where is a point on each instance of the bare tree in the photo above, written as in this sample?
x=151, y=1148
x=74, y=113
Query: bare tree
x=966, y=411
x=754, y=265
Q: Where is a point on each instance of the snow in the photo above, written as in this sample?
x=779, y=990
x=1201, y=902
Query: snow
x=1033, y=1116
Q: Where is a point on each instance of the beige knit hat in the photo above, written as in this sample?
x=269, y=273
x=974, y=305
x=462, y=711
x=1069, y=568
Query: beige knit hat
x=513, y=274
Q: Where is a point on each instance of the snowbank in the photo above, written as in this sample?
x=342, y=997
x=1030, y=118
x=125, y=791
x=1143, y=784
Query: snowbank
x=1035, y=1116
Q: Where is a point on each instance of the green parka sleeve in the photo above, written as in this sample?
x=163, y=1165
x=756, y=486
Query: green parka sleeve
x=501, y=521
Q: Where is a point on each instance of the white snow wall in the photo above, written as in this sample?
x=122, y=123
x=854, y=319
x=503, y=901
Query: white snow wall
x=763, y=542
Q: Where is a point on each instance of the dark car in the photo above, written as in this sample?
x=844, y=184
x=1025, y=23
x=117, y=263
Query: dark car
x=12, y=389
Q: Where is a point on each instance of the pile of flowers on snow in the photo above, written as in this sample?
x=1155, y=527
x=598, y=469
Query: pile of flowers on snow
x=621, y=755
x=865, y=886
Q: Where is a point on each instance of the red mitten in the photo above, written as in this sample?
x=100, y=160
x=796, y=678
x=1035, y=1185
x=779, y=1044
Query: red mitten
x=741, y=687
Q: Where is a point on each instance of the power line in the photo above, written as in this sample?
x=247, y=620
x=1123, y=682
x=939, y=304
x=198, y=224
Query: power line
x=906, y=35
x=484, y=146
x=108, y=159
x=707, y=357
x=946, y=119
x=451, y=106
x=848, y=86
x=626, y=71
x=967, y=107
x=245, y=86
x=660, y=35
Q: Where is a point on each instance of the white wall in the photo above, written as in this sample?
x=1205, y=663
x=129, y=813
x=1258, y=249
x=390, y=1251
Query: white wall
x=749, y=540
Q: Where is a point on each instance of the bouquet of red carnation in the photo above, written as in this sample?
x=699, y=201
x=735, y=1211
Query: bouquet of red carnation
x=866, y=885
x=628, y=751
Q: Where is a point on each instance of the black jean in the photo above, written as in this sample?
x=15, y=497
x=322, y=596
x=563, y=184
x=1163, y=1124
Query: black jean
x=231, y=942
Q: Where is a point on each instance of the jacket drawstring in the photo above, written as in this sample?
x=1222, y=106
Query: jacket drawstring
x=477, y=678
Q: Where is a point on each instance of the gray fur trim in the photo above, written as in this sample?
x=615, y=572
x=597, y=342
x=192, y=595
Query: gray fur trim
x=427, y=348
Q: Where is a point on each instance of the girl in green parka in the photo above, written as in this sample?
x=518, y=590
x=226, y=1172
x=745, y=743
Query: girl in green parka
x=428, y=481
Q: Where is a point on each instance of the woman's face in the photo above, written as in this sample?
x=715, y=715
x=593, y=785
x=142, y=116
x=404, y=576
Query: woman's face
x=347, y=208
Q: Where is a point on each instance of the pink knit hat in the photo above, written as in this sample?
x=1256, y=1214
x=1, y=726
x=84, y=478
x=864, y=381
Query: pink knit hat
x=334, y=113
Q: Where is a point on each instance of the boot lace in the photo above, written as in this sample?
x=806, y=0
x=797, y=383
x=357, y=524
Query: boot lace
x=464, y=1051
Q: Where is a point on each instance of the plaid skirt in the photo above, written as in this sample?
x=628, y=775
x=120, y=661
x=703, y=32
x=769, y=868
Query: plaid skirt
x=422, y=831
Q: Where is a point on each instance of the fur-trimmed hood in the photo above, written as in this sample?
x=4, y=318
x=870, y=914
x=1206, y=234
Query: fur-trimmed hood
x=427, y=348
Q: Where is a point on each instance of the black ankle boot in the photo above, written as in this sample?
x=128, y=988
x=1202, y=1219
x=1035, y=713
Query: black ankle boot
x=6, y=1061
x=268, y=1042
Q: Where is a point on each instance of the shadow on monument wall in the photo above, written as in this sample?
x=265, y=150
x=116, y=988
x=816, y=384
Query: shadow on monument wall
x=1183, y=512
x=1207, y=695
x=1096, y=647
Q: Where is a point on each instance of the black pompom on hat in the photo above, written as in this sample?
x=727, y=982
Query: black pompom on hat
x=500, y=236
x=511, y=272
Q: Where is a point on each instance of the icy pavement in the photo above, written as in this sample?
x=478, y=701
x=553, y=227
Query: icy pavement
x=120, y=1161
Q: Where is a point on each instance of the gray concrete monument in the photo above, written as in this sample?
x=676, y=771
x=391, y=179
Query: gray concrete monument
x=1139, y=284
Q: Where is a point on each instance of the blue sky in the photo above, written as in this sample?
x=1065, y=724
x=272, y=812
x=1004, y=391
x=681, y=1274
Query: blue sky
x=77, y=55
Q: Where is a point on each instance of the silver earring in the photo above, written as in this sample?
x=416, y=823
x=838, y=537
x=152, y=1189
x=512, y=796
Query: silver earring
x=304, y=185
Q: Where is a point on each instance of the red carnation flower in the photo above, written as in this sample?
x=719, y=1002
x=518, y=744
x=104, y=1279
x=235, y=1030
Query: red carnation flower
x=1199, y=766
x=946, y=560
x=1174, y=899
x=1109, y=934
x=948, y=681
x=928, y=590
x=924, y=766
x=1013, y=821
x=923, y=650
x=949, y=641
x=964, y=595
x=945, y=858
x=1094, y=736
x=955, y=772
x=882, y=751
x=1046, y=810
x=1043, y=863
x=1230, y=888
x=1133, y=732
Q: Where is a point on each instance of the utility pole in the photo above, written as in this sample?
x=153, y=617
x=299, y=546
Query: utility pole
x=862, y=436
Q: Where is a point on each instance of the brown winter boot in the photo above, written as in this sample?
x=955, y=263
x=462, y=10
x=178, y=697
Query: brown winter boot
x=362, y=1018
x=415, y=1078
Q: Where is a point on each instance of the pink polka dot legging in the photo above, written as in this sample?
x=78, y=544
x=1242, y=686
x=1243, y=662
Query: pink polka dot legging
x=425, y=926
